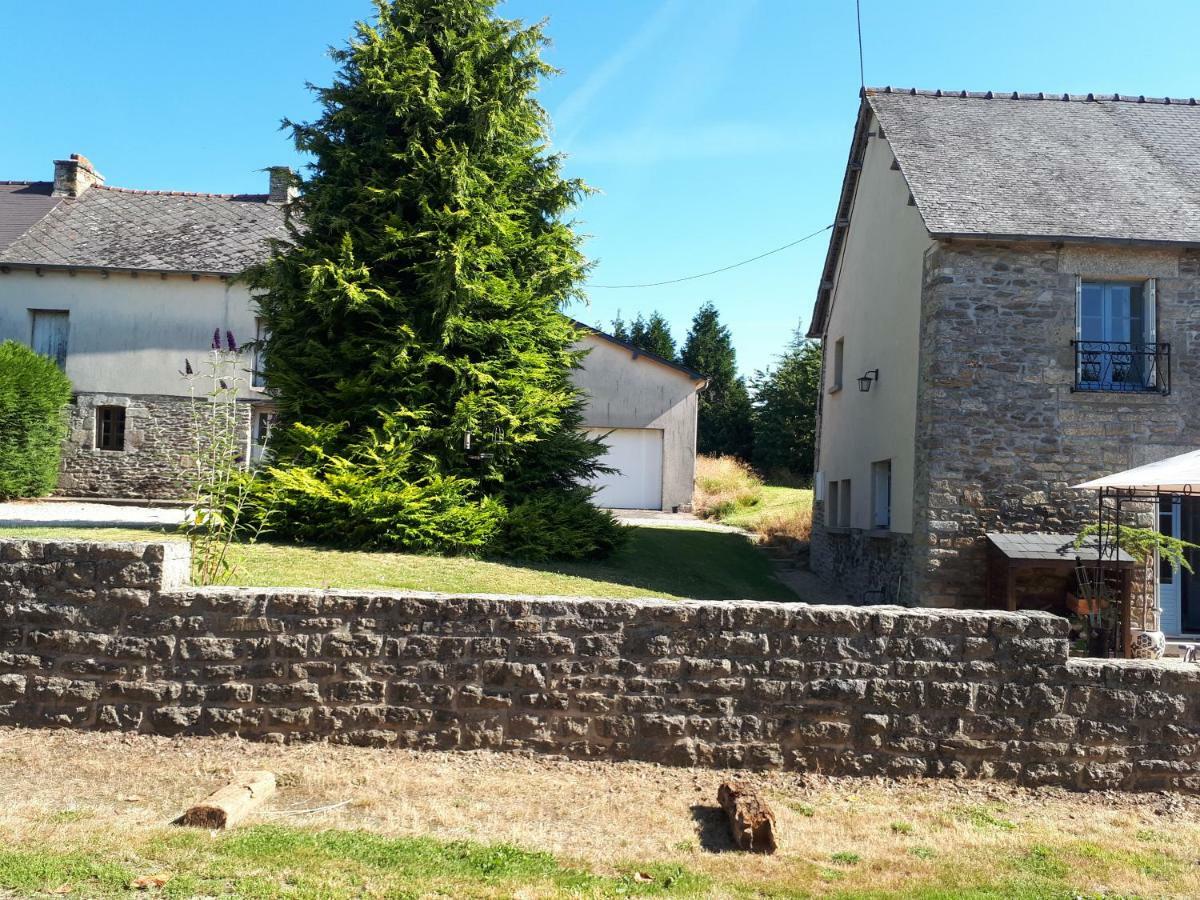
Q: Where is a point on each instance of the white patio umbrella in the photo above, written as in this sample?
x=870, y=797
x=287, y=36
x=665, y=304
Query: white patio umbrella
x=1176, y=475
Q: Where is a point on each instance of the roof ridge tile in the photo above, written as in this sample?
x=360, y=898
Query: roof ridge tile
x=1090, y=97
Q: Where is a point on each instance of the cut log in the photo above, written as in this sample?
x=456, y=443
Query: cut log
x=751, y=820
x=228, y=806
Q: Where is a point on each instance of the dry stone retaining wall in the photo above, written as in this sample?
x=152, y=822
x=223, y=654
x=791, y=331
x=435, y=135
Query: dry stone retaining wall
x=109, y=636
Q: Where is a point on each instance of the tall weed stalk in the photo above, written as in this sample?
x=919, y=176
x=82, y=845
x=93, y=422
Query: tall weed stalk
x=221, y=478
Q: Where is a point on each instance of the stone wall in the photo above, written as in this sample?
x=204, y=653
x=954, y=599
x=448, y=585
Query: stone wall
x=863, y=566
x=107, y=636
x=158, y=455
x=1001, y=436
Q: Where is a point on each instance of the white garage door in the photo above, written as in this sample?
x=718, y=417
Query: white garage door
x=637, y=455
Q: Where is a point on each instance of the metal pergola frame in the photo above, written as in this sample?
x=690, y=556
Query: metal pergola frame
x=1110, y=502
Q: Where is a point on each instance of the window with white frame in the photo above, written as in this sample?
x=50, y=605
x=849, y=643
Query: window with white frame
x=262, y=334
x=881, y=494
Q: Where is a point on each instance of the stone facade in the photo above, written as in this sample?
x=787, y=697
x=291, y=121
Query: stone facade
x=159, y=448
x=1001, y=435
x=108, y=636
x=864, y=566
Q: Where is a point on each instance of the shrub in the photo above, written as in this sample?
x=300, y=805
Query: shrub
x=559, y=525
x=385, y=496
x=34, y=394
x=724, y=484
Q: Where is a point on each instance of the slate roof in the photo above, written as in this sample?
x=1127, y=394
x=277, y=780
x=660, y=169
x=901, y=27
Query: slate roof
x=117, y=228
x=1051, y=547
x=22, y=203
x=1037, y=165
x=1097, y=168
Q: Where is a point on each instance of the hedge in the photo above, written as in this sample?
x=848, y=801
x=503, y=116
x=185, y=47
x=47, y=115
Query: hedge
x=34, y=394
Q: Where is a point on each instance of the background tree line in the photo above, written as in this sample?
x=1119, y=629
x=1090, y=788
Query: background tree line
x=768, y=420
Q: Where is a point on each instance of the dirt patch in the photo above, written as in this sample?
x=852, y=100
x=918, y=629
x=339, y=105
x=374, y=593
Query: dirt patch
x=75, y=789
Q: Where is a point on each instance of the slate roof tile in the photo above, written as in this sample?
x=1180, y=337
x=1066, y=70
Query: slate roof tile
x=118, y=228
x=1091, y=167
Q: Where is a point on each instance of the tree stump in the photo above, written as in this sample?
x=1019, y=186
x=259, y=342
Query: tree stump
x=232, y=803
x=751, y=820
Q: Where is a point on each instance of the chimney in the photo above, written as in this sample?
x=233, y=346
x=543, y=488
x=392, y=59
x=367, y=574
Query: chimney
x=283, y=185
x=74, y=176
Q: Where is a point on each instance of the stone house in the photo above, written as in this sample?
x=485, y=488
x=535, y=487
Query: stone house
x=121, y=286
x=1008, y=307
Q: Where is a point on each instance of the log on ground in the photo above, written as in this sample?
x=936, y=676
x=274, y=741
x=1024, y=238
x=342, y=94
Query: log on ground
x=751, y=820
x=231, y=804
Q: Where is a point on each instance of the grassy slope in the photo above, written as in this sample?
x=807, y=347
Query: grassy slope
x=776, y=501
x=657, y=562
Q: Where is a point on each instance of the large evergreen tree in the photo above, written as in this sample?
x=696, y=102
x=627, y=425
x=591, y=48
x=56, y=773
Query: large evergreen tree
x=418, y=354
x=785, y=409
x=725, y=427
x=654, y=335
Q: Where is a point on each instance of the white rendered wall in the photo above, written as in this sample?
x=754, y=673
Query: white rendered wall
x=128, y=335
x=876, y=310
x=627, y=390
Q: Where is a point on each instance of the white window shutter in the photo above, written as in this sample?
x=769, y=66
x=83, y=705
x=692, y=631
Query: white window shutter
x=1079, y=307
x=1153, y=377
x=1151, y=312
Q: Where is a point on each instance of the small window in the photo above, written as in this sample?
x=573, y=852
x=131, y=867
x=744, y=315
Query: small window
x=110, y=428
x=839, y=349
x=49, y=334
x=881, y=494
x=831, y=505
x=262, y=334
x=844, y=503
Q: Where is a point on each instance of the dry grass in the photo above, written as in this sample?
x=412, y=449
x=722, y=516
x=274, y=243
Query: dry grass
x=783, y=514
x=724, y=485
x=729, y=490
x=105, y=799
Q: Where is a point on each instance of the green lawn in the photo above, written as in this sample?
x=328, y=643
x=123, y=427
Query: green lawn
x=657, y=562
x=275, y=861
x=266, y=861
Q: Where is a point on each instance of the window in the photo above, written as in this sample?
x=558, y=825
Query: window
x=49, y=334
x=831, y=505
x=839, y=352
x=844, y=503
x=260, y=432
x=262, y=334
x=881, y=494
x=110, y=428
x=1116, y=347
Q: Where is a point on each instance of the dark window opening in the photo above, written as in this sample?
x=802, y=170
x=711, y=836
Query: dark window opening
x=110, y=428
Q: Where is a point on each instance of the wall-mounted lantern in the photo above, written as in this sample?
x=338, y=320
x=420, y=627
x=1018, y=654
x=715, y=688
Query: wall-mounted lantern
x=864, y=383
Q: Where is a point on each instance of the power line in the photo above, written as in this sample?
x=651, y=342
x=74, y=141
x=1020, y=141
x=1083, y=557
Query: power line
x=615, y=287
x=862, y=80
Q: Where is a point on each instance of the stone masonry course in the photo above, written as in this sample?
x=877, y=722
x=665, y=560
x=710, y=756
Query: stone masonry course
x=110, y=636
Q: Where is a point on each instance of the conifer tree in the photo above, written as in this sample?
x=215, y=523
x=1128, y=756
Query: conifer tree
x=418, y=354
x=785, y=409
x=653, y=335
x=619, y=329
x=725, y=427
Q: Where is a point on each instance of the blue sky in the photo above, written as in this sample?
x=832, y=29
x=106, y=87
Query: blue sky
x=714, y=129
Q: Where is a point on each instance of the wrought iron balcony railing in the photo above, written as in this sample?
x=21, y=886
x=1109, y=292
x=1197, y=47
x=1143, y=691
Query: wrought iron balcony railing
x=1122, y=367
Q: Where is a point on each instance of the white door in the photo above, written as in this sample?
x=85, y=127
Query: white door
x=637, y=455
x=1170, y=618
